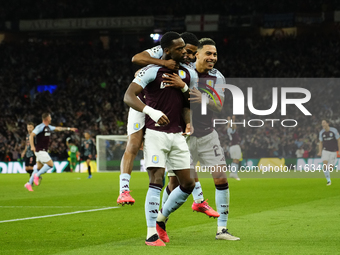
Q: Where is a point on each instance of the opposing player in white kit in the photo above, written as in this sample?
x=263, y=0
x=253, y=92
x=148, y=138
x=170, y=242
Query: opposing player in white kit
x=42, y=132
x=164, y=141
x=205, y=145
x=328, y=146
x=235, y=149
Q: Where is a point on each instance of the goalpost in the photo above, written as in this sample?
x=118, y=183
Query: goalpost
x=110, y=150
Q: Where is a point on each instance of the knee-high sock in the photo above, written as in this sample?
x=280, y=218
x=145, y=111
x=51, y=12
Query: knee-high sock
x=197, y=193
x=176, y=198
x=35, y=170
x=222, y=204
x=165, y=196
x=89, y=170
x=124, y=180
x=44, y=169
x=152, y=201
x=327, y=173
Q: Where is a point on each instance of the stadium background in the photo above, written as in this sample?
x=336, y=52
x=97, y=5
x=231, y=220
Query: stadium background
x=73, y=59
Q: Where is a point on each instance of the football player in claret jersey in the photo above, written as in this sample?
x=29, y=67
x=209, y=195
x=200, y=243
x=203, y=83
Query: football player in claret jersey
x=328, y=146
x=205, y=145
x=42, y=133
x=164, y=141
x=136, y=122
x=28, y=153
x=235, y=149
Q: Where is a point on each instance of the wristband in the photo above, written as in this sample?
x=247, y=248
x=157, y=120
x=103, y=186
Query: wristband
x=185, y=88
x=68, y=128
x=155, y=115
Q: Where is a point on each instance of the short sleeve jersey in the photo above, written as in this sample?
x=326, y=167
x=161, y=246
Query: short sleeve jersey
x=203, y=124
x=43, y=134
x=166, y=99
x=329, y=139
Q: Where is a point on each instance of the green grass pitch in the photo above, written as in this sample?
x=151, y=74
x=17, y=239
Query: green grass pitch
x=271, y=216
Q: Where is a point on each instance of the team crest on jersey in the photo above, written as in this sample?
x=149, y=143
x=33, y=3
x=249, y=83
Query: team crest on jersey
x=155, y=159
x=136, y=126
x=210, y=83
x=182, y=74
x=331, y=134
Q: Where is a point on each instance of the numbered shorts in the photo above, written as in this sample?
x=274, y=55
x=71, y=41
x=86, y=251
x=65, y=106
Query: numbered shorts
x=329, y=156
x=235, y=152
x=207, y=150
x=42, y=157
x=135, y=122
x=161, y=148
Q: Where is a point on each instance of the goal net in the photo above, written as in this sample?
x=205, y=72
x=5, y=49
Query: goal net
x=110, y=150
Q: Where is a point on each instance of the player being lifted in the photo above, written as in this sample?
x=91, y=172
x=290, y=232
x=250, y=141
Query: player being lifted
x=135, y=131
x=42, y=132
x=205, y=145
x=28, y=153
x=74, y=153
x=163, y=141
x=328, y=146
x=89, y=151
x=235, y=149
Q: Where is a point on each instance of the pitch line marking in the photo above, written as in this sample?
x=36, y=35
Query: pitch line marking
x=59, y=214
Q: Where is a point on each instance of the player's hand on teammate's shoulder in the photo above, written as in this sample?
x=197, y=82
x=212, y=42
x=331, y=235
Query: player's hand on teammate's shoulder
x=173, y=80
x=171, y=64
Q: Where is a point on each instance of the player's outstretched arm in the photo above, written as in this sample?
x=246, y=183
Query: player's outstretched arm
x=130, y=98
x=65, y=129
x=143, y=59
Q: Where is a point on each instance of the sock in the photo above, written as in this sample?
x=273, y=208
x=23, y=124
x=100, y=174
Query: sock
x=44, y=169
x=176, y=198
x=327, y=174
x=124, y=180
x=152, y=201
x=222, y=204
x=35, y=170
x=89, y=170
x=150, y=232
x=197, y=193
x=166, y=194
x=234, y=168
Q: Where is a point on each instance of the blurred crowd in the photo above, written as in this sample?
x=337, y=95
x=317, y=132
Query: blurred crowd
x=91, y=82
x=58, y=9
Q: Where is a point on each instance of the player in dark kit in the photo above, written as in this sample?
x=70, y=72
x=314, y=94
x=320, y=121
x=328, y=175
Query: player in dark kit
x=164, y=141
x=42, y=133
x=328, y=146
x=89, y=151
x=28, y=153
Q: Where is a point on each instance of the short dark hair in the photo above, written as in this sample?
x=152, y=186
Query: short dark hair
x=190, y=38
x=205, y=41
x=44, y=115
x=167, y=39
x=30, y=123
